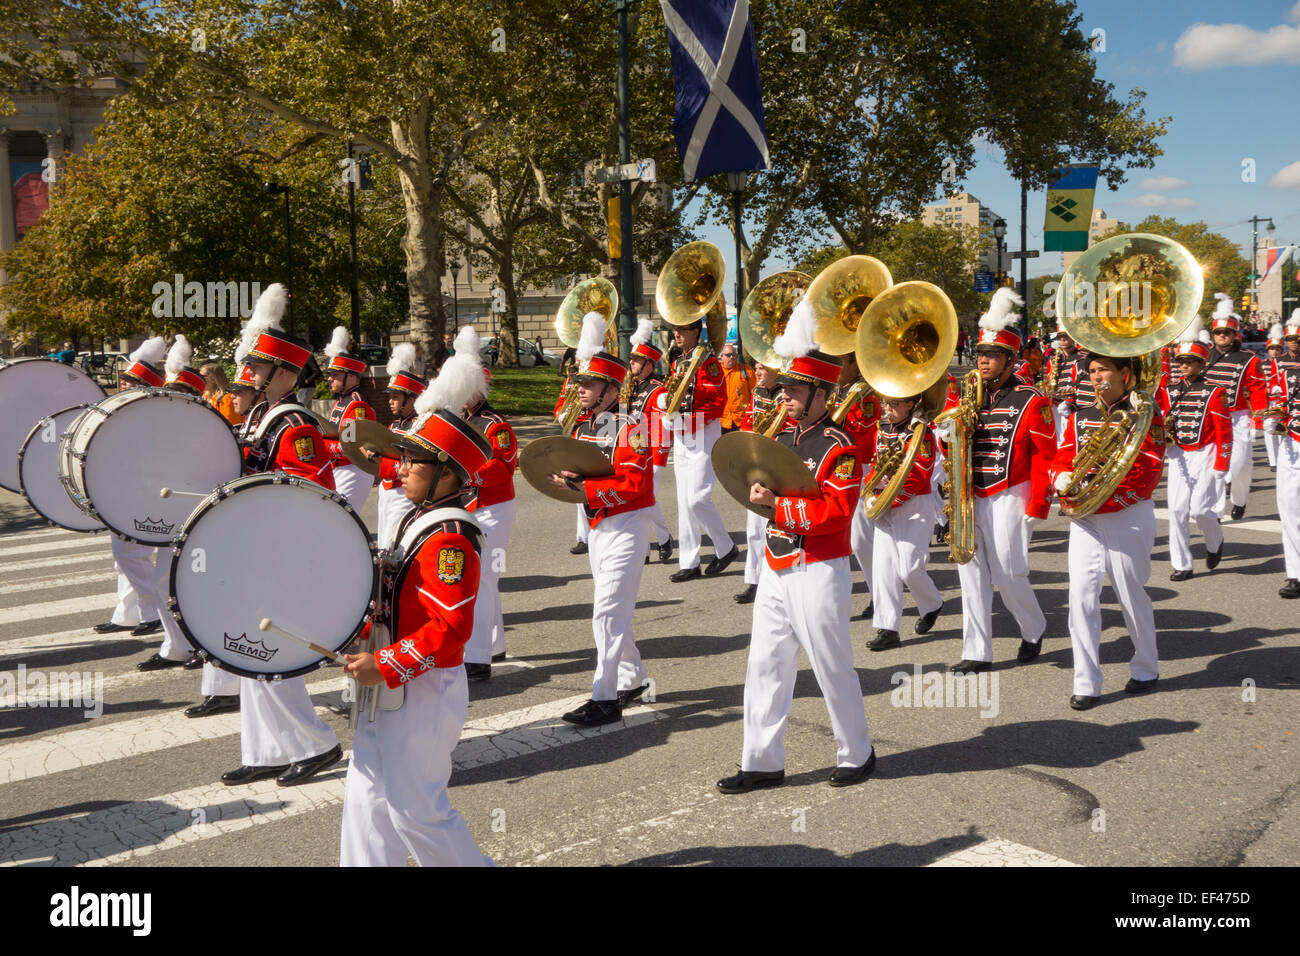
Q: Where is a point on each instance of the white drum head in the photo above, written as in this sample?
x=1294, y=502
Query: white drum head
x=30, y=389
x=38, y=474
x=273, y=547
x=153, y=439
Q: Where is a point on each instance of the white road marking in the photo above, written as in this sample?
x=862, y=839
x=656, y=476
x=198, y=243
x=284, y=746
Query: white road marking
x=1259, y=525
x=87, y=542
x=36, y=563
x=998, y=852
x=66, y=581
x=62, y=640
x=42, y=534
x=35, y=612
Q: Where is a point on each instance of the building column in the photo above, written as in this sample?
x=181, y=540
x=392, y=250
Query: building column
x=54, y=152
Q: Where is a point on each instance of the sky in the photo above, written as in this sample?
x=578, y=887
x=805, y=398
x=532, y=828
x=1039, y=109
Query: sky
x=1220, y=71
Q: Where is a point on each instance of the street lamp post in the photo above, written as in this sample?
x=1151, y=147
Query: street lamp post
x=455, y=295
x=1254, y=253
x=627, y=305
x=274, y=189
x=737, y=181
x=999, y=235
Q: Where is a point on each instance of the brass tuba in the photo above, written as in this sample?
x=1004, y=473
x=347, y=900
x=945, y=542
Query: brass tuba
x=839, y=297
x=762, y=318
x=690, y=288
x=904, y=344
x=591, y=295
x=1126, y=297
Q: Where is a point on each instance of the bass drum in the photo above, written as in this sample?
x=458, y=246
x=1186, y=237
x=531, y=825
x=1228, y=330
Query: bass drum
x=115, y=459
x=230, y=569
x=38, y=474
x=30, y=389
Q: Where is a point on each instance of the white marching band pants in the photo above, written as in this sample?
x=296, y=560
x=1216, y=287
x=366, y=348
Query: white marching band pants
x=278, y=724
x=804, y=606
x=618, y=548
x=395, y=799
x=1288, y=502
x=900, y=551
x=138, y=565
x=1241, y=464
x=218, y=683
x=1117, y=545
x=353, y=484
x=1195, y=491
x=657, y=523
x=937, y=478
x=1272, y=442
x=489, y=635
x=127, y=611
x=1001, y=560
x=755, y=546
x=392, y=503
x=695, y=508
x=584, y=529
x=861, y=535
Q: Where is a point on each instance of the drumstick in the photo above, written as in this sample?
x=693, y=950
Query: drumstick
x=168, y=492
x=266, y=625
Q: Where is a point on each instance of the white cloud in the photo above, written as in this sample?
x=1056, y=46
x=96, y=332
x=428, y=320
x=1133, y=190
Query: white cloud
x=1288, y=177
x=1206, y=46
x=1157, y=201
x=1163, y=182
x=1294, y=14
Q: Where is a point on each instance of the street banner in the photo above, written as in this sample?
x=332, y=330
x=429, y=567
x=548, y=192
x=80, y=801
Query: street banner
x=1069, y=208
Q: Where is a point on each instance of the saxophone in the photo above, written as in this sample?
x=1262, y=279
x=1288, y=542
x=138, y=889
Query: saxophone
x=960, y=508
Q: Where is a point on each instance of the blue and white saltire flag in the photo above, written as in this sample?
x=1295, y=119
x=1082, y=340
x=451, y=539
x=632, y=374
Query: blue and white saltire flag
x=719, y=121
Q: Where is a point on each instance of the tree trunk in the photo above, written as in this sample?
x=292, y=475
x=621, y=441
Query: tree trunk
x=422, y=242
x=508, y=336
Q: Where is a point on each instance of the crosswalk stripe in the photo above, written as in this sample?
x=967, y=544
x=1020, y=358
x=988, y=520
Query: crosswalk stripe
x=64, y=581
x=999, y=852
x=38, y=563
x=11, y=651
x=88, y=543
x=35, y=612
x=132, y=830
x=1260, y=525
x=43, y=533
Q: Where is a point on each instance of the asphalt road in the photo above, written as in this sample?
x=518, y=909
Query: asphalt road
x=1201, y=772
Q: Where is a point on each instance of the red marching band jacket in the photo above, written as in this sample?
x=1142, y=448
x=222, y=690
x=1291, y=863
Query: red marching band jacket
x=918, y=480
x=627, y=445
x=1241, y=377
x=428, y=602
x=803, y=530
x=350, y=405
x=1140, y=482
x=861, y=422
x=291, y=443
x=388, y=466
x=495, y=481
x=706, y=397
x=644, y=407
x=1196, y=415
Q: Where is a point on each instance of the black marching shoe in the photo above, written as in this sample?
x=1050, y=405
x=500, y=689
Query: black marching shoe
x=940, y=534
x=1212, y=558
x=927, y=620
x=868, y=610
x=579, y=548
x=1135, y=686
x=685, y=574
x=478, y=672
x=594, y=713
x=1180, y=576
x=194, y=663
x=747, y=596
x=971, y=667
x=1083, y=703
x=1238, y=512
x=249, y=774
x=108, y=627
x=147, y=628
x=720, y=564
x=748, y=780
x=498, y=658
x=158, y=663
x=848, y=776
x=626, y=698
x=304, y=770
x=884, y=640
x=213, y=705
x=1028, y=651
x=665, y=551
x=1291, y=589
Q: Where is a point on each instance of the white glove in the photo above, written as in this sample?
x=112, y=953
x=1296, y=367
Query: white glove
x=1275, y=391
x=672, y=422
x=1063, y=410
x=870, y=503
x=1134, y=401
x=1031, y=521
x=1063, y=481
x=943, y=431
x=662, y=401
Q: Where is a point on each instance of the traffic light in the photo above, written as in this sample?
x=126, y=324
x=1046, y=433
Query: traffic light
x=1245, y=302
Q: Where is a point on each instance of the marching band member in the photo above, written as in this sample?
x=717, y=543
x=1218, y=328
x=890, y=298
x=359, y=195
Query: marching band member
x=860, y=423
x=764, y=399
x=181, y=377
x=404, y=387
x=1273, y=437
x=280, y=732
x=395, y=798
x=617, y=510
x=583, y=529
x=1196, y=416
x=644, y=407
x=1013, y=445
x=1236, y=371
x=1071, y=386
x=1115, y=541
x=1288, y=457
x=695, y=428
x=901, y=545
x=490, y=497
x=344, y=373
x=804, y=589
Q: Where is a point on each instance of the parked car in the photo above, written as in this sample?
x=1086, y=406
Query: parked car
x=373, y=354
x=527, y=352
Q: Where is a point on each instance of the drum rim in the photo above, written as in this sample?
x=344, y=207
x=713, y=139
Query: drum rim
x=23, y=485
x=142, y=393
x=10, y=363
x=220, y=493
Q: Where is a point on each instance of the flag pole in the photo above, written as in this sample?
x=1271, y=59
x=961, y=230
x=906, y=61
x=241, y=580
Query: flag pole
x=627, y=257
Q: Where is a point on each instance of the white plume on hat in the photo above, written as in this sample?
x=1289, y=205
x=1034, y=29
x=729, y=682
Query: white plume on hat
x=645, y=329
x=1195, y=332
x=1002, y=312
x=178, y=357
x=1295, y=316
x=592, y=339
x=402, y=359
x=1275, y=332
x=800, y=335
x=338, y=343
x=460, y=380
x=151, y=351
x=469, y=345
x=267, y=312
x=1223, y=307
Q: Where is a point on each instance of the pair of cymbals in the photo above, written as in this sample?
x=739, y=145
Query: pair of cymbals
x=368, y=435
x=742, y=458
x=556, y=453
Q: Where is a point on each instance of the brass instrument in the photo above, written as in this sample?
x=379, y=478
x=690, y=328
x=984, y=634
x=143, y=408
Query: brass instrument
x=683, y=378
x=689, y=289
x=839, y=296
x=591, y=295
x=1147, y=289
x=960, y=508
x=770, y=423
x=839, y=410
x=567, y=419
x=766, y=312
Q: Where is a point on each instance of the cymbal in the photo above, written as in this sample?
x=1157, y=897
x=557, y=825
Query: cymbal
x=742, y=458
x=368, y=434
x=553, y=454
